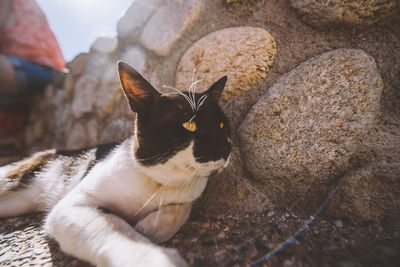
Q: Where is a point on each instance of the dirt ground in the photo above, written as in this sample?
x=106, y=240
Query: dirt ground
x=232, y=239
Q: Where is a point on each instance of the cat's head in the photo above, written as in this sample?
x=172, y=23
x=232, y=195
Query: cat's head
x=186, y=129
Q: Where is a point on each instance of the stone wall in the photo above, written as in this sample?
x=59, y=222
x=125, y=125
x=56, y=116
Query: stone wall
x=312, y=94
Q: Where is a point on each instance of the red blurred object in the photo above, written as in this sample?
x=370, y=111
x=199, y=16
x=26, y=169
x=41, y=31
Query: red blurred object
x=26, y=35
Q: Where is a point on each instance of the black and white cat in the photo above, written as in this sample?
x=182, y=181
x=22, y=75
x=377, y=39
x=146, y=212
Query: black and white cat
x=109, y=205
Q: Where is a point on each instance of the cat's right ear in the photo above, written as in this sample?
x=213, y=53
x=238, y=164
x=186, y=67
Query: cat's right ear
x=139, y=92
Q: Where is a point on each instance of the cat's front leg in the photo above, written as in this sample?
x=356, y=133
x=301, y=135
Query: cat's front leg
x=162, y=224
x=104, y=239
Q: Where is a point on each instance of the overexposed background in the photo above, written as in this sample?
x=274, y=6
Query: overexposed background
x=77, y=23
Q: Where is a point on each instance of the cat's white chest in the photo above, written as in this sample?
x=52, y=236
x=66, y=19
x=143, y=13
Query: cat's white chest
x=127, y=188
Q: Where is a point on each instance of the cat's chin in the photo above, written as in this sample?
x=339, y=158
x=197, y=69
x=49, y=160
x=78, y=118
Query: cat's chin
x=213, y=167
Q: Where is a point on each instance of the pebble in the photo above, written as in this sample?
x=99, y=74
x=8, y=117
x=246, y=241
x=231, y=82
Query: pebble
x=338, y=223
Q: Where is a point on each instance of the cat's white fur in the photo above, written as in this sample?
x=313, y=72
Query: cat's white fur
x=158, y=198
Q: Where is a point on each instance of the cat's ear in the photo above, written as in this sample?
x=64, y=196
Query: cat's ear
x=215, y=90
x=140, y=93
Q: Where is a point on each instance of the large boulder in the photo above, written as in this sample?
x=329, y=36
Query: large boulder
x=309, y=127
x=245, y=54
x=344, y=12
x=369, y=194
x=131, y=23
x=168, y=24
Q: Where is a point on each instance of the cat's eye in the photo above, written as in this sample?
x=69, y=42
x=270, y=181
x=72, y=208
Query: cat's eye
x=221, y=125
x=190, y=126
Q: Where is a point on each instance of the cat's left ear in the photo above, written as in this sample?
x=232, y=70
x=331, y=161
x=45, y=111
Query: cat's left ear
x=140, y=93
x=215, y=90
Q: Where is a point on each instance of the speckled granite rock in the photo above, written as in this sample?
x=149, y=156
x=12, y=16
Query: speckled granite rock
x=336, y=12
x=168, y=24
x=311, y=123
x=245, y=54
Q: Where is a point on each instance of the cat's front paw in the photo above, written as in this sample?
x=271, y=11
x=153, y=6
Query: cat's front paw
x=145, y=256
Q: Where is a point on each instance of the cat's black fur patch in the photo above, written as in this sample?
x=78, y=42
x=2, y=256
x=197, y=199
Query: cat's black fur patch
x=101, y=152
x=27, y=178
x=104, y=150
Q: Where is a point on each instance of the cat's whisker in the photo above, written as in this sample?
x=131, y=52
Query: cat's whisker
x=158, y=211
x=227, y=105
x=147, y=202
x=191, y=87
x=188, y=181
x=201, y=101
x=178, y=92
x=189, y=185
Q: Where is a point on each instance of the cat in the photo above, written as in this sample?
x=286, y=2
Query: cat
x=110, y=205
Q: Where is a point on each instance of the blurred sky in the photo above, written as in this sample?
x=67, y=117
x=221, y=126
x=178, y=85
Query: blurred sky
x=77, y=23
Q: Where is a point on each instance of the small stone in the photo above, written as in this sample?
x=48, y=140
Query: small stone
x=244, y=54
x=270, y=213
x=134, y=56
x=338, y=223
x=165, y=27
x=130, y=24
x=338, y=12
x=105, y=45
x=221, y=235
x=84, y=99
x=39, y=251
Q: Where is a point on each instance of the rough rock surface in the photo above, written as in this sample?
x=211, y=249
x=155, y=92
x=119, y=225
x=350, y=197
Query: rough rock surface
x=244, y=54
x=116, y=131
x=369, y=195
x=83, y=99
x=134, y=56
x=130, y=25
x=77, y=138
x=165, y=27
x=105, y=45
x=311, y=123
x=108, y=92
x=339, y=12
x=239, y=1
